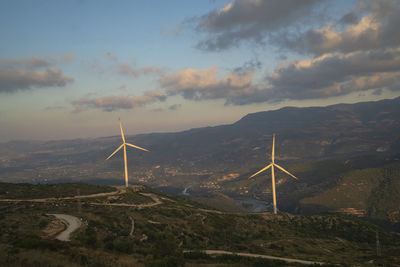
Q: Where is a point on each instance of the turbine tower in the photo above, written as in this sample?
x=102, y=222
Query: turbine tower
x=272, y=165
x=124, y=144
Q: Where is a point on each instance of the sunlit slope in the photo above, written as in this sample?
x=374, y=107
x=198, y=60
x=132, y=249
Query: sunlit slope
x=374, y=192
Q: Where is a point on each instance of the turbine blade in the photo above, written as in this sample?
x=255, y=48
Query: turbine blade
x=260, y=171
x=115, y=152
x=273, y=149
x=138, y=147
x=122, y=131
x=282, y=169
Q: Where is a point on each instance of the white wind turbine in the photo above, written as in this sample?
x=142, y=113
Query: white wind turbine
x=124, y=144
x=272, y=165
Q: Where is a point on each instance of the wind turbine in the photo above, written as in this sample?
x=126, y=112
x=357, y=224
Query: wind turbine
x=272, y=165
x=124, y=144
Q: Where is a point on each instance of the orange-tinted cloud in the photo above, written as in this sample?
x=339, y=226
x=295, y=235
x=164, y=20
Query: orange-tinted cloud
x=204, y=84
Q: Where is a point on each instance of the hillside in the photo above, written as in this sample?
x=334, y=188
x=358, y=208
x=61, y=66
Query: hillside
x=372, y=192
x=147, y=228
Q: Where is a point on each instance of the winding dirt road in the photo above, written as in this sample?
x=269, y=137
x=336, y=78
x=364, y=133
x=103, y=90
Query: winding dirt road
x=213, y=252
x=71, y=222
x=154, y=197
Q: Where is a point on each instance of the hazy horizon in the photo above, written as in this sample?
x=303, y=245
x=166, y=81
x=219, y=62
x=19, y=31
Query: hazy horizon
x=117, y=134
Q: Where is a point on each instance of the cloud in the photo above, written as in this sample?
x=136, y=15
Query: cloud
x=12, y=80
x=204, y=84
x=377, y=92
x=25, y=63
x=332, y=74
x=174, y=32
x=378, y=28
x=54, y=108
x=33, y=63
x=175, y=107
x=336, y=74
x=253, y=64
x=252, y=20
x=127, y=69
x=380, y=7
x=292, y=25
x=158, y=110
x=122, y=87
x=355, y=52
x=111, y=56
x=112, y=103
x=95, y=65
x=27, y=73
x=349, y=18
x=155, y=95
x=68, y=57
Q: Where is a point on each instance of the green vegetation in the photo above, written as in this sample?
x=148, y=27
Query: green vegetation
x=384, y=202
x=162, y=233
x=373, y=192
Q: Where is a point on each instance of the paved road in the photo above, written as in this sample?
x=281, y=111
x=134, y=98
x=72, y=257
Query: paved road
x=211, y=252
x=72, y=223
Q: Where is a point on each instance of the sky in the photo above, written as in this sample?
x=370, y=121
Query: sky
x=70, y=69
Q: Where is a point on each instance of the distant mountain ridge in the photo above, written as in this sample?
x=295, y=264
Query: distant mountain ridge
x=303, y=134
x=314, y=132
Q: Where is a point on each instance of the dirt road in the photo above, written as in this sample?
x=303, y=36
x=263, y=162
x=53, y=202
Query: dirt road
x=72, y=223
x=120, y=190
x=154, y=197
x=212, y=252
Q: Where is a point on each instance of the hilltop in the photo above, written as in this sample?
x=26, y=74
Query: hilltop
x=142, y=226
